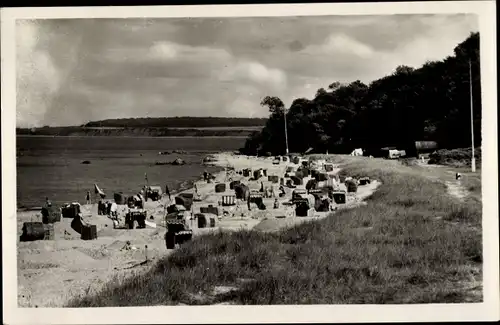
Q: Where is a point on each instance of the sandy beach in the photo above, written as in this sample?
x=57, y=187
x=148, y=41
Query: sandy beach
x=50, y=272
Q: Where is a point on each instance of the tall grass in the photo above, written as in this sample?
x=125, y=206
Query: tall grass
x=399, y=248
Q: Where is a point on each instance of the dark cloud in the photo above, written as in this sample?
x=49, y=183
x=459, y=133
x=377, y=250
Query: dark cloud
x=296, y=46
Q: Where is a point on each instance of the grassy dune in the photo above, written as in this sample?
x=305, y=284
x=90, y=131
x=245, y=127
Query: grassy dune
x=412, y=243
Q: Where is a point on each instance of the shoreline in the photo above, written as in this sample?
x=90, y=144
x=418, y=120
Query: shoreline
x=130, y=136
x=80, y=263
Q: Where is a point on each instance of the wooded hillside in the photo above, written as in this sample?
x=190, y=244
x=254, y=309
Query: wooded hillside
x=428, y=103
x=179, y=122
x=156, y=127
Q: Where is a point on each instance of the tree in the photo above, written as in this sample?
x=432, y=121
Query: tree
x=403, y=69
x=334, y=85
x=321, y=92
x=428, y=103
x=275, y=105
x=252, y=144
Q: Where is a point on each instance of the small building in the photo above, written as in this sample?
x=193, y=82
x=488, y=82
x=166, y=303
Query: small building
x=412, y=149
x=385, y=152
x=421, y=147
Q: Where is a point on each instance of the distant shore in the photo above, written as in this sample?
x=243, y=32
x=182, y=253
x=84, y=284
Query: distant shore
x=149, y=132
x=129, y=136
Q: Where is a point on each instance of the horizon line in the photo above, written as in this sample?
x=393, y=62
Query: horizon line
x=149, y=117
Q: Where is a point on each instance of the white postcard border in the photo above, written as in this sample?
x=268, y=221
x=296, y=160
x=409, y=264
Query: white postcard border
x=488, y=310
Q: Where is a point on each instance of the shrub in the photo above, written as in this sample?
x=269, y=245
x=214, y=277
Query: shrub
x=455, y=157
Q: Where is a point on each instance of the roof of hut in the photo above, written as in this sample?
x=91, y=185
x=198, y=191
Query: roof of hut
x=426, y=144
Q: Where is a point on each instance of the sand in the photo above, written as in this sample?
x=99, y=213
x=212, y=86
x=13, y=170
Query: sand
x=50, y=272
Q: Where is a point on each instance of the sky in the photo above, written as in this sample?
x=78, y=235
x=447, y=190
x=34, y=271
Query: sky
x=73, y=71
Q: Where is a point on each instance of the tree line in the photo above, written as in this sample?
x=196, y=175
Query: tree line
x=431, y=103
x=178, y=122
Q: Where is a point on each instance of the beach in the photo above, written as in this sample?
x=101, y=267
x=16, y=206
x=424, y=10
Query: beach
x=50, y=272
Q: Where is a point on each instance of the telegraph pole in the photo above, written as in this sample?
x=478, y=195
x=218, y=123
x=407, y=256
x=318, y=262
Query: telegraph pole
x=286, y=132
x=473, y=162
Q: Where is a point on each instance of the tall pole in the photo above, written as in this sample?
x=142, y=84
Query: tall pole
x=286, y=133
x=473, y=162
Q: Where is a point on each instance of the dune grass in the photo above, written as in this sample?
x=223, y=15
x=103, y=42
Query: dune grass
x=472, y=183
x=411, y=243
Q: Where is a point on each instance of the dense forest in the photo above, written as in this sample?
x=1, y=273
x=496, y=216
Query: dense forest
x=428, y=103
x=179, y=122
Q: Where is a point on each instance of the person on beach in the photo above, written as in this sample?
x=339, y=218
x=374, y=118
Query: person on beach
x=87, y=198
x=114, y=210
x=273, y=191
x=167, y=192
x=282, y=191
x=47, y=202
x=100, y=210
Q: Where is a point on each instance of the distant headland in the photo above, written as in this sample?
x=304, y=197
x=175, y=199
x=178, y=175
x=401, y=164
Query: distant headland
x=156, y=127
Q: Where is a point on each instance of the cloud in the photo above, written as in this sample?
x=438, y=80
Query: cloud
x=73, y=71
x=372, y=47
x=244, y=107
x=254, y=72
x=164, y=51
x=341, y=44
x=38, y=78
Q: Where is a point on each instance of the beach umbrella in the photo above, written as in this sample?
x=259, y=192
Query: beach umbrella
x=97, y=190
